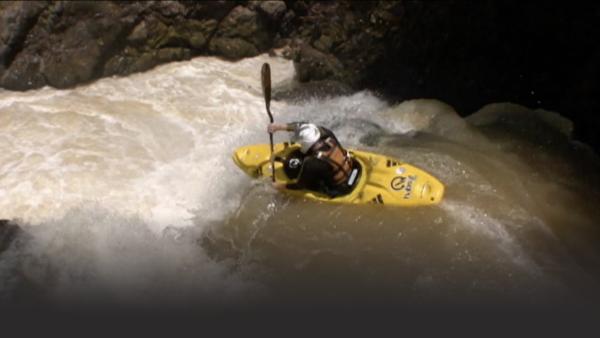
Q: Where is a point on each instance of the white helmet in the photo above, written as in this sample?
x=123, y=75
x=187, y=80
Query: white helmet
x=307, y=135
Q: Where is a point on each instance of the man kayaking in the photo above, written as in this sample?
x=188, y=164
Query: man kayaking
x=321, y=164
x=324, y=166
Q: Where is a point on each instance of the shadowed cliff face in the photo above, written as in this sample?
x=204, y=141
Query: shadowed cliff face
x=471, y=53
x=64, y=43
x=463, y=52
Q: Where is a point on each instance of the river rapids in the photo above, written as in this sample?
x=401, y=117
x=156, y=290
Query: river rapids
x=127, y=194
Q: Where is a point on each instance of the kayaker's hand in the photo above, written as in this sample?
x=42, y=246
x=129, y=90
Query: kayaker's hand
x=278, y=185
x=273, y=127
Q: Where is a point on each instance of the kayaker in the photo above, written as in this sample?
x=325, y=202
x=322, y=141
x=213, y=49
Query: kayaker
x=326, y=167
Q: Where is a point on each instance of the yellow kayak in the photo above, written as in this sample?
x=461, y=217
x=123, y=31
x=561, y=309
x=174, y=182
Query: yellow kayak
x=380, y=179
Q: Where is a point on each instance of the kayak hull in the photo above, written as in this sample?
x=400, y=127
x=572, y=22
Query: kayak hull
x=383, y=179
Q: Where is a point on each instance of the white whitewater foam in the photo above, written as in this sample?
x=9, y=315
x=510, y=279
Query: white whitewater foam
x=154, y=145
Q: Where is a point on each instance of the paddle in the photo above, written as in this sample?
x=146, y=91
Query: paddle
x=266, y=87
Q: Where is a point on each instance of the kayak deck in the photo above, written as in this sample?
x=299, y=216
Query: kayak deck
x=383, y=180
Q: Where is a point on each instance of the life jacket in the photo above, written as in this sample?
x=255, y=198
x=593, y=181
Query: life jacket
x=328, y=149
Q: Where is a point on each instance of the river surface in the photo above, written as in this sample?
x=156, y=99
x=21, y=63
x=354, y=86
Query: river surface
x=128, y=194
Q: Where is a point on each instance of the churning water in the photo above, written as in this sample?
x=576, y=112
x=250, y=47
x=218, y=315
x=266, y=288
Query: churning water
x=128, y=194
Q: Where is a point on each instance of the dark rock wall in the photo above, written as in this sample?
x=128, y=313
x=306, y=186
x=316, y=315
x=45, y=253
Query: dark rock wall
x=9, y=232
x=539, y=54
x=65, y=43
x=467, y=53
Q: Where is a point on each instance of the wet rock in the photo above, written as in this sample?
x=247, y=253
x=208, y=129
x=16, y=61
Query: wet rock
x=9, y=232
x=169, y=54
x=66, y=46
x=313, y=89
x=63, y=44
x=16, y=19
x=75, y=42
x=287, y=24
x=311, y=64
x=209, y=9
x=233, y=48
x=200, y=32
x=139, y=34
x=77, y=64
x=167, y=33
x=170, y=8
x=351, y=36
x=24, y=73
x=242, y=33
x=274, y=10
x=300, y=7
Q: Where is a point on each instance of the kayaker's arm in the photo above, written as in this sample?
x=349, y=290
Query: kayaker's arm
x=273, y=127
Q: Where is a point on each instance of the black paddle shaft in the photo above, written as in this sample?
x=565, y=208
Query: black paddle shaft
x=266, y=87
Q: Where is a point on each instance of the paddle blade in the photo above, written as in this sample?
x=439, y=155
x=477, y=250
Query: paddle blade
x=266, y=86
